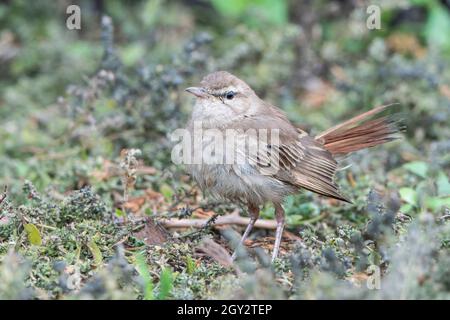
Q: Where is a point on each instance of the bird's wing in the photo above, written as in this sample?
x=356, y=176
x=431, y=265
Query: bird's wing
x=295, y=158
x=307, y=164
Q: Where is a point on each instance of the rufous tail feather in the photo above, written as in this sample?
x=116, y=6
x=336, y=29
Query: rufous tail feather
x=366, y=130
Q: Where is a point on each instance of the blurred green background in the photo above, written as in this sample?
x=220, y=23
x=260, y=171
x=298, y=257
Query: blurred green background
x=72, y=100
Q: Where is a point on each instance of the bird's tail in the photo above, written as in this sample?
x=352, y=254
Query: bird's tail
x=366, y=130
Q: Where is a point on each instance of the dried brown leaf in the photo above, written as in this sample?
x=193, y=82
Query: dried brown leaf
x=152, y=233
x=215, y=251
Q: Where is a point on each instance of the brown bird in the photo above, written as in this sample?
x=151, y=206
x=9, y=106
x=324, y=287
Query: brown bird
x=285, y=161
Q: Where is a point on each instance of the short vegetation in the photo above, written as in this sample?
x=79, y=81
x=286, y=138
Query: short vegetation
x=89, y=196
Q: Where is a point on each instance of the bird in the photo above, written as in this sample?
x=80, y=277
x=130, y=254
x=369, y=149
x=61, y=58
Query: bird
x=285, y=161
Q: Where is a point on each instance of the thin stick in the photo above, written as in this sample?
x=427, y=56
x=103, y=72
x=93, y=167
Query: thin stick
x=220, y=221
x=45, y=226
x=4, y=195
x=230, y=219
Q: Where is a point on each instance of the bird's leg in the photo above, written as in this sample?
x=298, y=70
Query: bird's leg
x=254, y=215
x=279, y=216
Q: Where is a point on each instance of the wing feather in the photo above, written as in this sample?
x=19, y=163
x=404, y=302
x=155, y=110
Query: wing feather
x=314, y=170
x=297, y=159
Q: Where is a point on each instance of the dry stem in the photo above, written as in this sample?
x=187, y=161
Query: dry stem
x=231, y=219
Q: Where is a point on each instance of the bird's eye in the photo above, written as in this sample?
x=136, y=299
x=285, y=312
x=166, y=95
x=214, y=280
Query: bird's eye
x=230, y=95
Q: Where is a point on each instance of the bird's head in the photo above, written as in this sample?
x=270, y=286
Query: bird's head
x=222, y=94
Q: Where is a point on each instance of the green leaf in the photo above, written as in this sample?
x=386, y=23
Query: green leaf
x=21, y=169
x=166, y=191
x=132, y=53
x=232, y=8
x=294, y=220
x=77, y=253
x=96, y=253
x=119, y=213
x=165, y=283
x=436, y=28
x=374, y=258
x=409, y=195
x=406, y=208
x=435, y=203
x=430, y=3
x=268, y=212
x=443, y=185
x=254, y=12
x=190, y=265
x=142, y=269
x=151, y=12
x=419, y=168
x=33, y=234
x=289, y=202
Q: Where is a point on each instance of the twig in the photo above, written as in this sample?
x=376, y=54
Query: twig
x=209, y=223
x=4, y=195
x=233, y=218
x=230, y=219
x=179, y=199
x=314, y=219
x=45, y=226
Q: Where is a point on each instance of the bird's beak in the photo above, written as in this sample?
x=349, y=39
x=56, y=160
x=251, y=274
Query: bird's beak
x=197, y=91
